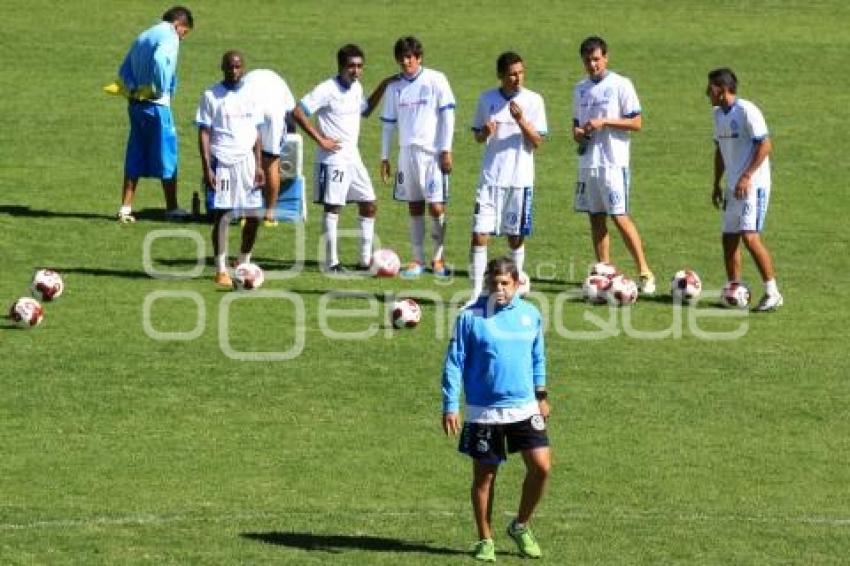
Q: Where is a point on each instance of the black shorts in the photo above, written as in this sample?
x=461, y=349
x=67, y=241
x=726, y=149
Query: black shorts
x=486, y=442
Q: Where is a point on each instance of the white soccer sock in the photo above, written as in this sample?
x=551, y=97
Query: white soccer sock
x=243, y=258
x=417, y=237
x=221, y=263
x=367, y=234
x=329, y=224
x=478, y=261
x=124, y=210
x=438, y=234
x=518, y=255
x=771, y=288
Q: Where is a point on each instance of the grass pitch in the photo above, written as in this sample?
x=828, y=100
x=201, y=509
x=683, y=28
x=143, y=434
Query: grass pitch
x=117, y=447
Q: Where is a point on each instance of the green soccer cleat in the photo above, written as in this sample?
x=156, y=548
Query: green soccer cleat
x=485, y=550
x=524, y=540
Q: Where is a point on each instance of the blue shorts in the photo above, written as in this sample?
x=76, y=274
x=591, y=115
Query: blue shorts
x=152, y=145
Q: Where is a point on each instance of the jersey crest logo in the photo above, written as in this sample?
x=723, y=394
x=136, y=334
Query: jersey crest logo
x=537, y=422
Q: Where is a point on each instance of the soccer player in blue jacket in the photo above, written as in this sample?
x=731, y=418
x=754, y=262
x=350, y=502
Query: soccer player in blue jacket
x=496, y=357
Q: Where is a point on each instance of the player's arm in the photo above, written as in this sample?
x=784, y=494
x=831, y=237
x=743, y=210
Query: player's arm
x=529, y=132
x=301, y=118
x=445, y=136
x=538, y=357
x=745, y=181
x=206, y=161
x=719, y=169
x=377, y=94
x=259, y=173
x=629, y=124
x=387, y=129
x=452, y=381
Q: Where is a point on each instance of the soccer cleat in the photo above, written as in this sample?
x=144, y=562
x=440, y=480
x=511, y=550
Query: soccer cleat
x=485, y=550
x=413, y=271
x=524, y=540
x=270, y=223
x=646, y=283
x=363, y=269
x=126, y=217
x=222, y=279
x=439, y=269
x=177, y=214
x=769, y=303
x=337, y=269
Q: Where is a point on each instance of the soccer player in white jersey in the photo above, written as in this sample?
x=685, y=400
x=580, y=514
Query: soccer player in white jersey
x=742, y=147
x=605, y=110
x=276, y=101
x=421, y=105
x=511, y=121
x=228, y=121
x=339, y=174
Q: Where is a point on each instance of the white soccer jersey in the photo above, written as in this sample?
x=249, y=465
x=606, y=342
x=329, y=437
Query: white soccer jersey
x=338, y=109
x=418, y=105
x=736, y=132
x=508, y=157
x=612, y=97
x=271, y=92
x=232, y=117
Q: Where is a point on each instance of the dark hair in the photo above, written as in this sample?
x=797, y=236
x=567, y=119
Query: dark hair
x=506, y=60
x=724, y=77
x=407, y=45
x=232, y=53
x=179, y=14
x=346, y=52
x=591, y=44
x=502, y=266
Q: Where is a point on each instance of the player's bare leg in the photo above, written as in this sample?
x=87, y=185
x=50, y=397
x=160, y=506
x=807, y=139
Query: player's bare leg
x=538, y=464
x=482, y=492
x=169, y=190
x=249, y=234
x=760, y=254
x=271, y=190
x=128, y=192
x=631, y=238
x=221, y=220
x=599, y=236
x=732, y=256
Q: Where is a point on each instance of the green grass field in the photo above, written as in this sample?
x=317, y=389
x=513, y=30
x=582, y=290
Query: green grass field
x=116, y=447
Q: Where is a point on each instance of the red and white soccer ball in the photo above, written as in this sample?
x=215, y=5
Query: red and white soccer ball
x=685, y=286
x=248, y=276
x=524, y=284
x=595, y=288
x=385, y=263
x=26, y=312
x=46, y=285
x=603, y=268
x=406, y=313
x=735, y=295
x=623, y=291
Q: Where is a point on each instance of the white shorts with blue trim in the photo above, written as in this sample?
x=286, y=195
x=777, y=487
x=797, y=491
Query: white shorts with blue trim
x=747, y=214
x=419, y=177
x=602, y=190
x=502, y=211
x=234, y=185
x=336, y=184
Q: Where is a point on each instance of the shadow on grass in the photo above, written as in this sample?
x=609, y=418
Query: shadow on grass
x=340, y=543
x=26, y=211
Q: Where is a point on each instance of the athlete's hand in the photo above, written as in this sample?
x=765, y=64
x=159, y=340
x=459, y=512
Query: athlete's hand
x=259, y=177
x=446, y=162
x=544, y=408
x=386, y=171
x=742, y=187
x=516, y=111
x=209, y=178
x=451, y=424
x=489, y=128
x=330, y=144
x=717, y=197
x=594, y=124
